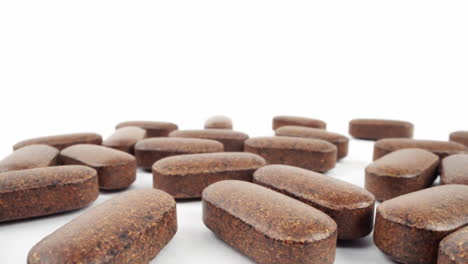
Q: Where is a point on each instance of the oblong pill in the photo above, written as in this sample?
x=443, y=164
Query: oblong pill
x=153, y=128
x=129, y=228
x=150, y=150
x=267, y=226
x=341, y=142
x=29, y=157
x=350, y=206
x=233, y=141
x=220, y=122
x=116, y=169
x=125, y=138
x=279, y=121
x=401, y=172
x=46, y=191
x=307, y=153
x=460, y=137
x=441, y=148
x=374, y=129
x=186, y=176
x=62, y=141
x=409, y=228
x=454, y=248
x=454, y=169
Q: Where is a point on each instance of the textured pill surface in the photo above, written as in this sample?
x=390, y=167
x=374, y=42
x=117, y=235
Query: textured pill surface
x=350, y=206
x=125, y=138
x=454, y=169
x=279, y=121
x=220, y=122
x=454, y=248
x=153, y=128
x=129, y=228
x=267, y=226
x=62, y=141
x=46, y=191
x=116, y=169
x=460, y=137
x=307, y=153
x=401, y=172
x=341, y=142
x=409, y=228
x=29, y=157
x=233, y=141
x=374, y=129
x=150, y=150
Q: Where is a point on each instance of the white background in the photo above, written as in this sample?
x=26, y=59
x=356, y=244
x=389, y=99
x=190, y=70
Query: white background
x=72, y=66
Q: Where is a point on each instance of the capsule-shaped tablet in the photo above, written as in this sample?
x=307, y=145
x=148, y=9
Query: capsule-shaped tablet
x=307, y=153
x=129, y=228
x=29, y=157
x=341, y=142
x=116, y=169
x=440, y=148
x=374, y=129
x=125, y=138
x=279, y=121
x=454, y=169
x=62, y=141
x=186, y=176
x=350, y=206
x=153, y=128
x=409, y=228
x=454, y=248
x=233, y=141
x=218, y=122
x=401, y=172
x=150, y=150
x=460, y=137
x=46, y=191
x=267, y=226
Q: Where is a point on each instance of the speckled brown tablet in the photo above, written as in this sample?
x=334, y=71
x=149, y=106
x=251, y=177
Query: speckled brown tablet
x=116, y=169
x=46, y=191
x=460, y=137
x=233, y=141
x=454, y=169
x=440, y=148
x=350, y=206
x=374, y=129
x=29, y=157
x=409, y=228
x=62, y=141
x=186, y=176
x=279, y=121
x=125, y=138
x=153, y=128
x=307, y=153
x=340, y=141
x=129, y=228
x=219, y=122
x=401, y=172
x=150, y=150
x=454, y=248
x=267, y=226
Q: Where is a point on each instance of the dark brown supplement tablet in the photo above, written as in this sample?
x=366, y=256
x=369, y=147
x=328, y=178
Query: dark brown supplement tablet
x=116, y=169
x=129, y=228
x=340, y=141
x=454, y=248
x=125, y=138
x=460, y=137
x=441, y=148
x=409, y=228
x=29, y=157
x=267, y=226
x=307, y=153
x=46, y=191
x=454, y=169
x=153, y=128
x=401, y=172
x=186, y=176
x=220, y=122
x=374, y=129
x=350, y=206
x=279, y=121
x=62, y=141
x=233, y=141
x=150, y=150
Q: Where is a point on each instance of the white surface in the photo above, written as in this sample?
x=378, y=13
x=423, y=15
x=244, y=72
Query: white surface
x=70, y=66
